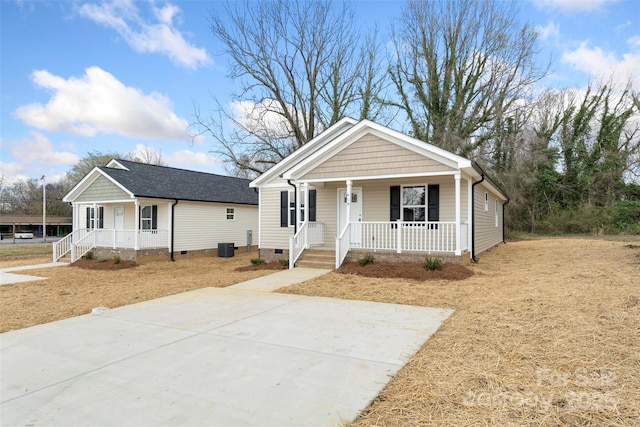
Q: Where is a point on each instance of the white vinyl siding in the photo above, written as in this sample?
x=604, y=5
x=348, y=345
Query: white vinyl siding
x=201, y=225
x=487, y=234
x=371, y=156
x=273, y=236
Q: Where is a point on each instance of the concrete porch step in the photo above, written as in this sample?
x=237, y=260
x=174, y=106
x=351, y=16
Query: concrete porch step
x=317, y=258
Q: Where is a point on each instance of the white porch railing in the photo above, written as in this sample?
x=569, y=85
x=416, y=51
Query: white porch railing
x=315, y=234
x=297, y=244
x=83, y=240
x=343, y=244
x=407, y=236
x=309, y=234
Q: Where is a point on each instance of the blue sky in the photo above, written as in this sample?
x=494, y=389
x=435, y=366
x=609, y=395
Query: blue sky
x=115, y=76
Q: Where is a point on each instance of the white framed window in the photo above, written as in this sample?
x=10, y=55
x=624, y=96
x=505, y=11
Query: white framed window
x=486, y=202
x=414, y=206
x=230, y=214
x=496, y=212
x=292, y=207
x=146, y=218
x=95, y=217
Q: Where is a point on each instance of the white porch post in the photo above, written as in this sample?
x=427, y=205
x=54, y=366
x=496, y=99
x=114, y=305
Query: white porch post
x=348, y=201
x=297, y=196
x=306, y=213
x=458, y=219
x=137, y=225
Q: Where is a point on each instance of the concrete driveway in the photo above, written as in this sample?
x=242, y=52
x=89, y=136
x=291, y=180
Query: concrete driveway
x=210, y=357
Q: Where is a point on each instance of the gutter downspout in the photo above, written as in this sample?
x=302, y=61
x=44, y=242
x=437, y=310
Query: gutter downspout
x=295, y=202
x=173, y=217
x=473, y=219
x=504, y=238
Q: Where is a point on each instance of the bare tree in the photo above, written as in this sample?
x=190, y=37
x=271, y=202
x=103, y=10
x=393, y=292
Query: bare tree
x=146, y=154
x=459, y=66
x=303, y=66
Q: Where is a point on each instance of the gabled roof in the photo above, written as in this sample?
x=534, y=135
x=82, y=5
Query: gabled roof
x=347, y=131
x=161, y=182
x=306, y=150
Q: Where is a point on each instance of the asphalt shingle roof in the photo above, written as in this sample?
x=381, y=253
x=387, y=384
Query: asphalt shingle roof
x=153, y=181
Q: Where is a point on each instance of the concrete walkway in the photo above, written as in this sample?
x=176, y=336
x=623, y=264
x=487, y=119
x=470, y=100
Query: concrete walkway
x=7, y=278
x=214, y=356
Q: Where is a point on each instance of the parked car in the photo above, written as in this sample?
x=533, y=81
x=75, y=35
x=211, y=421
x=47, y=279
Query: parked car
x=24, y=234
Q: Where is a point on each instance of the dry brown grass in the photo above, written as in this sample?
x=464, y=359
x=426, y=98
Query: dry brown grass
x=546, y=332
x=72, y=291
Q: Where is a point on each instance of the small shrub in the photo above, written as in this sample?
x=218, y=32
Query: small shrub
x=101, y=260
x=366, y=260
x=432, y=264
x=284, y=262
x=117, y=259
x=256, y=261
x=88, y=255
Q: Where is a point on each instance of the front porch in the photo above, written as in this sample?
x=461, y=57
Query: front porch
x=438, y=238
x=130, y=242
x=426, y=215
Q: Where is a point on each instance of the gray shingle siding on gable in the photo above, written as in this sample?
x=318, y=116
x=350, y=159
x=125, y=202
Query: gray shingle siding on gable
x=161, y=182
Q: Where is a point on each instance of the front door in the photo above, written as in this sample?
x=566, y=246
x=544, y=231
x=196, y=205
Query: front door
x=356, y=213
x=118, y=224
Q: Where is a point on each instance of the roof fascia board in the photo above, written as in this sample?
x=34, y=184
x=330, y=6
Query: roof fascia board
x=367, y=127
x=87, y=181
x=378, y=177
x=114, y=163
x=307, y=149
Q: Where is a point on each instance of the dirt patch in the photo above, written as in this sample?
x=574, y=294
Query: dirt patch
x=108, y=264
x=405, y=270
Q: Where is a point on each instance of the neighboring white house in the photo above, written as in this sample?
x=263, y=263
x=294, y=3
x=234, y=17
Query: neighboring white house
x=362, y=187
x=135, y=209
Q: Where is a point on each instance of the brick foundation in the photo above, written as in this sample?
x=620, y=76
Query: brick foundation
x=270, y=255
x=159, y=254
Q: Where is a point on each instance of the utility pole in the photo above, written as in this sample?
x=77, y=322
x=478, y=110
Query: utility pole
x=44, y=210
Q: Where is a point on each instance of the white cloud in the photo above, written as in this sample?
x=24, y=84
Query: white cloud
x=265, y=117
x=160, y=36
x=38, y=149
x=634, y=42
x=10, y=168
x=549, y=31
x=99, y=103
x=573, y=5
x=605, y=65
x=193, y=160
x=34, y=154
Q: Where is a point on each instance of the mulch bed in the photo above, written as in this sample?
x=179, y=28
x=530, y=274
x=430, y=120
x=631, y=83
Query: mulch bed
x=406, y=270
x=94, y=264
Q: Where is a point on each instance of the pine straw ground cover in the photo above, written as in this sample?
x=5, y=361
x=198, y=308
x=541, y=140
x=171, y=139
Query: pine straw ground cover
x=71, y=291
x=545, y=333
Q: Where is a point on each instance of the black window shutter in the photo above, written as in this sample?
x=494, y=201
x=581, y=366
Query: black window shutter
x=89, y=217
x=434, y=203
x=139, y=217
x=284, y=209
x=312, y=205
x=154, y=217
x=101, y=217
x=394, y=211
